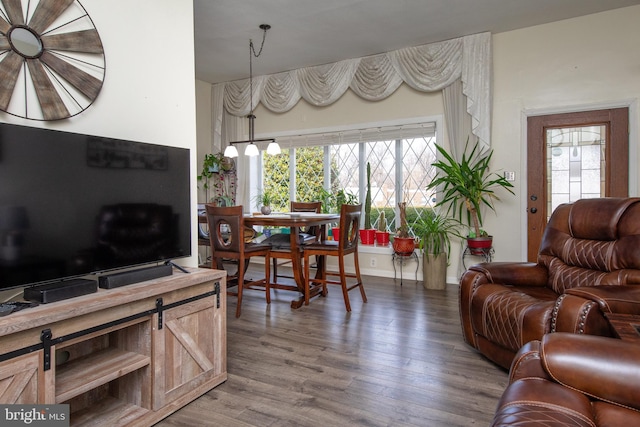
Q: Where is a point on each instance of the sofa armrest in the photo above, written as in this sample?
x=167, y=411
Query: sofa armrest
x=624, y=299
x=604, y=368
x=512, y=273
x=507, y=273
x=527, y=364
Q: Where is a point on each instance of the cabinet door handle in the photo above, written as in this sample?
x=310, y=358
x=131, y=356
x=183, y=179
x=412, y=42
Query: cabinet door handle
x=159, y=308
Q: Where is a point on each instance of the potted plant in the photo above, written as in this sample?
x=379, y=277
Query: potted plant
x=263, y=202
x=403, y=243
x=382, y=235
x=367, y=233
x=215, y=167
x=210, y=166
x=434, y=232
x=337, y=200
x=466, y=186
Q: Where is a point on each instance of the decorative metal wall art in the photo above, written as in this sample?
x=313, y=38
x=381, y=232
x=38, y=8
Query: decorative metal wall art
x=52, y=63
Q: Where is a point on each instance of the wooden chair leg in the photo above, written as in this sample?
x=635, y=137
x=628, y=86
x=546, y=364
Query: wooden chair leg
x=356, y=265
x=240, y=287
x=267, y=273
x=307, y=281
x=343, y=284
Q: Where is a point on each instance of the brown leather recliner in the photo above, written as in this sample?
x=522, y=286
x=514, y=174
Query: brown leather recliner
x=572, y=380
x=588, y=265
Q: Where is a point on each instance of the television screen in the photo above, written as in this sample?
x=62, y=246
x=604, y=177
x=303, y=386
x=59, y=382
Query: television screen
x=72, y=204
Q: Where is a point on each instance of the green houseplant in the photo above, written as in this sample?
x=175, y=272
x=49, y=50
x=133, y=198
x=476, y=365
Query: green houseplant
x=263, y=202
x=382, y=235
x=214, y=169
x=435, y=231
x=468, y=185
x=367, y=233
x=336, y=201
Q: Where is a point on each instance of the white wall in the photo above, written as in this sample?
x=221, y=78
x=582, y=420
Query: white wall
x=575, y=64
x=148, y=93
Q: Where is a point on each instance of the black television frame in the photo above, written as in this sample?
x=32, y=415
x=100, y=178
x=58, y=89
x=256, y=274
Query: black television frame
x=55, y=173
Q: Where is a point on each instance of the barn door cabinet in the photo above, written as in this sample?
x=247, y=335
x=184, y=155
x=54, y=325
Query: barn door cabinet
x=125, y=356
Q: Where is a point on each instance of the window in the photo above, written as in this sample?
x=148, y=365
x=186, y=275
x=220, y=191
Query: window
x=316, y=165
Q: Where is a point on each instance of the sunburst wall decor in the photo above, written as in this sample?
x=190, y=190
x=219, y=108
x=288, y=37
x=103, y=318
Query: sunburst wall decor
x=52, y=62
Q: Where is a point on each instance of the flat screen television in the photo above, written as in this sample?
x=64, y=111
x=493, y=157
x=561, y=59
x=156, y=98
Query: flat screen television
x=73, y=205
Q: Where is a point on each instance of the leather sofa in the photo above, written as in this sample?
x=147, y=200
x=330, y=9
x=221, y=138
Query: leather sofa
x=588, y=264
x=572, y=380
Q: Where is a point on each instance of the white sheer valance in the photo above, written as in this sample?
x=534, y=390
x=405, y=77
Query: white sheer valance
x=426, y=68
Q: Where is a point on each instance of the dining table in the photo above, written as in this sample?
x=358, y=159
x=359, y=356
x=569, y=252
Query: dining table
x=295, y=221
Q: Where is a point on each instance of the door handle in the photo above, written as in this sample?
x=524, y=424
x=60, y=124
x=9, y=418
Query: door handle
x=533, y=210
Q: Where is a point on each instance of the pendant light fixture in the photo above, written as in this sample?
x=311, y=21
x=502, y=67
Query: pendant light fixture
x=252, y=148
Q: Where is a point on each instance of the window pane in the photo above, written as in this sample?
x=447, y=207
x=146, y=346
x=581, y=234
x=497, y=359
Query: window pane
x=309, y=173
x=397, y=165
x=276, y=180
x=575, y=162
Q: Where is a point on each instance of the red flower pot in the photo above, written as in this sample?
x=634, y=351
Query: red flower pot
x=382, y=238
x=335, y=232
x=479, y=245
x=404, y=245
x=368, y=236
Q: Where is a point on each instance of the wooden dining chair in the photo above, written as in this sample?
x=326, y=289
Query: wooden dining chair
x=227, y=241
x=283, y=249
x=346, y=244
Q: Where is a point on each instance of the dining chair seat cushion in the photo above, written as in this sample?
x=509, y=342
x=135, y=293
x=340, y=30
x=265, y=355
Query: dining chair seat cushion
x=255, y=247
x=283, y=241
x=329, y=245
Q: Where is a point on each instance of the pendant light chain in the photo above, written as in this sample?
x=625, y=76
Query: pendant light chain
x=252, y=149
x=252, y=53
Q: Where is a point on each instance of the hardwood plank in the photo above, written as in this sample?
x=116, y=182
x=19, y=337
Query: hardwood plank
x=399, y=360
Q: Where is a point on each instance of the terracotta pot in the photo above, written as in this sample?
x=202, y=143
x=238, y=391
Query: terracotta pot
x=479, y=245
x=368, y=236
x=404, y=245
x=382, y=238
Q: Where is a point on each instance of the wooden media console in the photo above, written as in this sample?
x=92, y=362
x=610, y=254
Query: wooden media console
x=124, y=356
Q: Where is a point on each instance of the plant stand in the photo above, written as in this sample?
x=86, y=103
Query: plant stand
x=402, y=260
x=486, y=253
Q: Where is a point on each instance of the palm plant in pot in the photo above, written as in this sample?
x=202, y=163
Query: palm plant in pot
x=434, y=231
x=468, y=185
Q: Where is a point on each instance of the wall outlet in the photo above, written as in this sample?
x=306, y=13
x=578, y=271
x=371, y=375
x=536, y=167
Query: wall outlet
x=373, y=262
x=510, y=176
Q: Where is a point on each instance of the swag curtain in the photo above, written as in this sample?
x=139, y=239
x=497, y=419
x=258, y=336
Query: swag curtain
x=462, y=63
x=426, y=68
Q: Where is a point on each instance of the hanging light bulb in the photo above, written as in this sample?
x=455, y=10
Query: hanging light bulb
x=273, y=148
x=231, y=151
x=251, y=150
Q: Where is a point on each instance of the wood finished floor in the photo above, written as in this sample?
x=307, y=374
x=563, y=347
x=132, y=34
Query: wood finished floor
x=398, y=360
